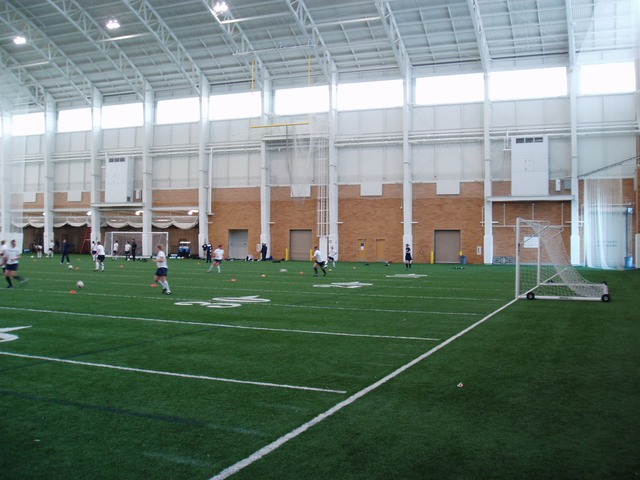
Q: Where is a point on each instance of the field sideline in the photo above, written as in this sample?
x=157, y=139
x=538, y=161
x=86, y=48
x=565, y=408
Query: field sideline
x=265, y=371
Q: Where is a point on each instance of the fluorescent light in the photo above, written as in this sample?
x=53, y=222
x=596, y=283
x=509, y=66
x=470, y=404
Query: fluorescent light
x=220, y=7
x=19, y=40
x=113, y=24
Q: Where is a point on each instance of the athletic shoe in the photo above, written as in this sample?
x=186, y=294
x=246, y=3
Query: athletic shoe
x=168, y=293
x=10, y=286
x=164, y=290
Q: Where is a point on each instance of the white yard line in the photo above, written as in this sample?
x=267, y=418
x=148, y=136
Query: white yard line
x=170, y=374
x=216, y=325
x=236, y=467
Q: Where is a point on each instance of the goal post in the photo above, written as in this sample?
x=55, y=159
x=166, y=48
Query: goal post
x=157, y=238
x=543, y=267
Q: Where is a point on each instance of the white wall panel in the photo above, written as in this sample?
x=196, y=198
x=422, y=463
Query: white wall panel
x=559, y=157
x=33, y=177
x=597, y=152
x=448, y=162
x=619, y=108
x=73, y=142
x=530, y=112
x=472, y=161
x=590, y=109
x=370, y=122
x=240, y=169
x=348, y=165
x=122, y=138
x=424, y=163
x=367, y=164
x=557, y=111
x=609, y=108
x=73, y=175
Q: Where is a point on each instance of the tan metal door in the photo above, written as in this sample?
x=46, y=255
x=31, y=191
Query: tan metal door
x=447, y=246
x=362, y=250
x=380, y=247
x=300, y=242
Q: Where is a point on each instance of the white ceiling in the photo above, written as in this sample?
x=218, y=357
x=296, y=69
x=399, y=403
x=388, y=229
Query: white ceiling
x=174, y=46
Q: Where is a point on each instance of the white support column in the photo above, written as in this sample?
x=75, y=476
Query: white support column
x=407, y=181
x=333, y=191
x=49, y=146
x=96, y=162
x=203, y=162
x=575, y=183
x=488, y=186
x=265, y=188
x=5, y=179
x=147, y=171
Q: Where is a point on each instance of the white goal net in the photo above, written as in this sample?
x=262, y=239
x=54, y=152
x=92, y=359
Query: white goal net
x=543, y=267
x=156, y=238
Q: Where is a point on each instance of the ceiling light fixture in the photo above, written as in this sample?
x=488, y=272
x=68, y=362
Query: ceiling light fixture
x=19, y=40
x=113, y=24
x=220, y=7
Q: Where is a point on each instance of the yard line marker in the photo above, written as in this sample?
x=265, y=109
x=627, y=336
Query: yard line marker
x=171, y=374
x=220, y=325
x=236, y=467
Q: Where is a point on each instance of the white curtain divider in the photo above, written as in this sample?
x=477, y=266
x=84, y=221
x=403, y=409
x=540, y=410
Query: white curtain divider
x=604, y=223
x=183, y=223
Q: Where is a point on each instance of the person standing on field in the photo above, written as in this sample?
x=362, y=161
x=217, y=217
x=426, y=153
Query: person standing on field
x=218, y=255
x=318, y=262
x=114, y=250
x=12, y=259
x=408, y=259
x=100, y=255
x=65, y=252
x=127, y=251
x=333, y=256
x=162, y=270
x=134, y=247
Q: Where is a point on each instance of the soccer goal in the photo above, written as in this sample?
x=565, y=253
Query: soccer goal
x=543, y=267
x=157, y=238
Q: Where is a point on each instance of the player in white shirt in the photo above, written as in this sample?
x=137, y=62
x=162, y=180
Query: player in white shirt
x=100, y=255
x=114, y=250
x=162, y=270
x=3, y=249
x=11, y=260
x=218, y=255
x=318, y=262
x=333, y=256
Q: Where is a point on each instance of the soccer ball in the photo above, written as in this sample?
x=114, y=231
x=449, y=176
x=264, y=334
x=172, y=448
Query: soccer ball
x=80, y=284
x=70, y=266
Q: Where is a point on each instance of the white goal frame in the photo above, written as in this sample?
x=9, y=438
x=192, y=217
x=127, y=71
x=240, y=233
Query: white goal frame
x=156, y=238
x=543, y=267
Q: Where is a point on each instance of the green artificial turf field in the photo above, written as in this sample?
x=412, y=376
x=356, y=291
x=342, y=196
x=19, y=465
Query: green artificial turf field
x=267, y=372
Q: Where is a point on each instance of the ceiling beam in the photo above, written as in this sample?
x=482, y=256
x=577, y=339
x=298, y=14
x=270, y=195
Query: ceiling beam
x=393, y=33
x=314, y=39
x=16, y=21
x=23, y=79
x=481, y=38
x=167, y=41
x=93, y=32
x=240, y=43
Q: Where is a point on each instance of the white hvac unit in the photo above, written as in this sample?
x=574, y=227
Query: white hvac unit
x=529, y=166
x=118, y=181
